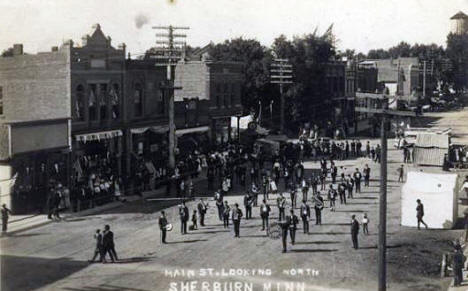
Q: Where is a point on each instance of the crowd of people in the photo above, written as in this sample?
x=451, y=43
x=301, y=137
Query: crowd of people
x=285, y=170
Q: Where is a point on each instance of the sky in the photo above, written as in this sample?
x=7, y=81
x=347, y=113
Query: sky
x=358, y=24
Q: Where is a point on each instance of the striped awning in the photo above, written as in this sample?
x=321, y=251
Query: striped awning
x=429, y=156
x=98, y=135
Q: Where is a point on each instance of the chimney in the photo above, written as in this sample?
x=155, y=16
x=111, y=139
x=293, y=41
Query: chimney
x=54, y=49
x=17, y=49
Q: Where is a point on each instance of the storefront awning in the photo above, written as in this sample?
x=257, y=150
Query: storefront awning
x=180, y=132
x=98, y=135
x=156, y=129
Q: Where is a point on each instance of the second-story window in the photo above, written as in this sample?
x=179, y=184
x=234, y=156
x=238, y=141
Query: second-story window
x=114, y=96
x=103, y=101
x=92, y=102
x=1, y=100
x=226, y=94
x=80, y=103
x=138, y=100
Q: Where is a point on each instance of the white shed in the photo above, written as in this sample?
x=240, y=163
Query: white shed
x=438, y=194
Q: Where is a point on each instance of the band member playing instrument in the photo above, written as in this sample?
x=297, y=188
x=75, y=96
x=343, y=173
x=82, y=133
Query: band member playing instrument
x=219, y=204
x=226, y=210
x=236, y=218
x=332, y=197
x=366, y=172
x=281, y=203
x=255, y=194
x=342, y=192
x=292, y=221
x=162, y=226
x=184, y=217
x=248, y=200
x=202, y=208
x=264, y=214
x=305, y=215
x=318, y=208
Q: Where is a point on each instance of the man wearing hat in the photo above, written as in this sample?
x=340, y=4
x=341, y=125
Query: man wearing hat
x=184, y=217
x=162, y=226
x=354, y=231
x=236, y=218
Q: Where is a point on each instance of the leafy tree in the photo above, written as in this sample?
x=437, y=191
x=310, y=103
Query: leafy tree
x=256, y=59
x=457, y=53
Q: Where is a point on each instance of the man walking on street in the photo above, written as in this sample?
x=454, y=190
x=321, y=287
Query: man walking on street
x=292, y=221
x=5, y=216
x=226, y=211
x=248, y=205
x=236, y=218
x=318, y=209
x=357, y=179
x=99, y=250
x=305, y=216
x=281, y=203
x=202, y=211
x=354, y=231
x=184, y=217
x=420, y=213
x=366, y=175
x=162, y=226
x=108, y=244
x=401, y=173
x=264, y=214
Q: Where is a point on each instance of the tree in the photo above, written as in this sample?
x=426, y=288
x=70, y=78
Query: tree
x=457, y=53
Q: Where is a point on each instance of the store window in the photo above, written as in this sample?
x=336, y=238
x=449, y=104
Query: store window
x=114, y=96
x=138, y=100
x=92, y=102
x=1, y=100
x=80, y=103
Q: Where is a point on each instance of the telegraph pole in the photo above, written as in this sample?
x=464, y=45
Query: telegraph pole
x=281, y=74
x=386, y=115
x=168, y=52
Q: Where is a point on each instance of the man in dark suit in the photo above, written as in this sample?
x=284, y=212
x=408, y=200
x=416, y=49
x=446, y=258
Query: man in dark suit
x=305, y=215
x=184, y=217
x=202, y=207
x=108, y=244
x=354, y=231
x=162, y=226
x=292, y=221
x=99, y=250
x=264, y=214
x=236, y=219
x=366, y=171
x=281, y=203
x=318, y=208
x=248, y=205
x=357, y=179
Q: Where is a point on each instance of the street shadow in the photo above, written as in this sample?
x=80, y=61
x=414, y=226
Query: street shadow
x=103, y=287
x=186, y=241
x=368, y=248
x=254, y=235
x=30, y=273
x=367, y=197
x=133, y=260
x=317, y=242
x=13, y=235
x=314, y=251
x=361, y=203
x=206, y=232
x=74, y=219
x=339, y=224
x=329, y=233
x=351, y=211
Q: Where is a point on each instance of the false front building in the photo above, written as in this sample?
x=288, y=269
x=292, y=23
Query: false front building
x=209, y=95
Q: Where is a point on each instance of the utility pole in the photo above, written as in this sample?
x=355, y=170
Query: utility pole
x=281, y=74
x=386, y=115
x=168, y=52
x=424, y=80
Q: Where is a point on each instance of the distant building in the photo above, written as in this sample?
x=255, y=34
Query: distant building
x=459, y=23
x=402, y=77
x=35, y=99
x=210, y=96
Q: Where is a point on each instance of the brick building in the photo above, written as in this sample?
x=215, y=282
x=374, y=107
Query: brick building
x=210, y=96
x=35, y=98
